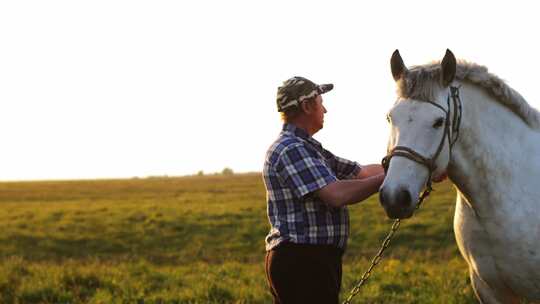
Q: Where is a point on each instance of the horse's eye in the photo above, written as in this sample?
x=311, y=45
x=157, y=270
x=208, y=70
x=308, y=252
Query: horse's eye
x=438, y=123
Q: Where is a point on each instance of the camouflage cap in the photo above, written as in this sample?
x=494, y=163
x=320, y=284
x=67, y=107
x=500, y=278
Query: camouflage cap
x=297, y=89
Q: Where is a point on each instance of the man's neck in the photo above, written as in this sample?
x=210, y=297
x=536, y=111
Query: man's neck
x=304, y=125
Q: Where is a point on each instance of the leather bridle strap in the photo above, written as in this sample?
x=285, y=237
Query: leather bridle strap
x=456, y=122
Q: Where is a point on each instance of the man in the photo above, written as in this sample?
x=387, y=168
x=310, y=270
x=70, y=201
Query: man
x=308, y=189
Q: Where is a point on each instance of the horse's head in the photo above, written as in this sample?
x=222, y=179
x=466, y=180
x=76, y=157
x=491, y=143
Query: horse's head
x=421, y=132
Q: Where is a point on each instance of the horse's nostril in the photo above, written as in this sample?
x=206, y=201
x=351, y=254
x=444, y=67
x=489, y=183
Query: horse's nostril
x=382, y=195
x=403, y=198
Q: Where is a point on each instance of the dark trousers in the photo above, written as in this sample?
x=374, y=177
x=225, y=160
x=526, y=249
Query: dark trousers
x=299, y=273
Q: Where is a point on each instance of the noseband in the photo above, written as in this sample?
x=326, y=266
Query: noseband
x=451, y=132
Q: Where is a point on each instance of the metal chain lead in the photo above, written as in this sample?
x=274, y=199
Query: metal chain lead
x=385, y=244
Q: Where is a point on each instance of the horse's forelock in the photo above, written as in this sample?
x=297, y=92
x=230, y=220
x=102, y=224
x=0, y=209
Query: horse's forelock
x=420, y=82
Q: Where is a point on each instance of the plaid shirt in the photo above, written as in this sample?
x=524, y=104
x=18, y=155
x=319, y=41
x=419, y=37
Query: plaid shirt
x=296, y=165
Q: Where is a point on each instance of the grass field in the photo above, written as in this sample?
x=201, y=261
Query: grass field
x=199, y=240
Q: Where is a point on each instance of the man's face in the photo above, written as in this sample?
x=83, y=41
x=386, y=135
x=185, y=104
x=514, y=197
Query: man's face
x=317, y=114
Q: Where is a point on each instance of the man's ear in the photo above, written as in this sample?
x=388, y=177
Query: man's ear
x=305, y=107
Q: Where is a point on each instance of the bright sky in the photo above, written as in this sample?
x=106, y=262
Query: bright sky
x=96, y=89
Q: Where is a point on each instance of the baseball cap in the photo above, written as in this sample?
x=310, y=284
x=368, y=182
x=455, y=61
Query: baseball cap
x=297, y=89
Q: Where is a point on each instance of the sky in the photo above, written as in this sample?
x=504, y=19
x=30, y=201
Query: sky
x=111, y=89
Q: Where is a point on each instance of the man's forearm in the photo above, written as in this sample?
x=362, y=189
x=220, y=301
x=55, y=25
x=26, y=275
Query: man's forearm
x=369, y=170
x=346, y=192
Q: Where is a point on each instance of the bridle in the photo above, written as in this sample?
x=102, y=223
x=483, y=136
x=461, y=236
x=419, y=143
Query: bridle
x=450, y=132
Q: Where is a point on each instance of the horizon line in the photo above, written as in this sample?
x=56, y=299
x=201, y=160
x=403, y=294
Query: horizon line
x=7, y=181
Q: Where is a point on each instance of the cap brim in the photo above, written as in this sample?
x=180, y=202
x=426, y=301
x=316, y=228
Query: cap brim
x=323, y=88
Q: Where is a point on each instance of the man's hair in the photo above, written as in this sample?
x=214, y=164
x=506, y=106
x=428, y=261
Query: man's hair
x=290, y=113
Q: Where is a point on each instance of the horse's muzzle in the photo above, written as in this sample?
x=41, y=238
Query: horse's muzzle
x=397, y=203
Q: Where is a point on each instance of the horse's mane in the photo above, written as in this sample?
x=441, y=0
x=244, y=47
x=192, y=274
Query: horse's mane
x=423, y=83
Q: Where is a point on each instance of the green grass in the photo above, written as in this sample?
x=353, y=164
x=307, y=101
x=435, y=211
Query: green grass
x=199, y=240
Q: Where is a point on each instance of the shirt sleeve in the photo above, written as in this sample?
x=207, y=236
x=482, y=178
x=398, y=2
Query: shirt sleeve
x=303, y=171
x=346, y=169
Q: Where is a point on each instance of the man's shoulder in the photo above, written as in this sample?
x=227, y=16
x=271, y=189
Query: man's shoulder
x=281, y=145
x=284, y=142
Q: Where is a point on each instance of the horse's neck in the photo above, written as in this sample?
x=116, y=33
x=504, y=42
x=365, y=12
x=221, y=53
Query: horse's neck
x=488, y=156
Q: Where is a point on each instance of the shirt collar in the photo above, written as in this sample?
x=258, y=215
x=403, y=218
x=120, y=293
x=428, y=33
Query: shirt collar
x=299, y=132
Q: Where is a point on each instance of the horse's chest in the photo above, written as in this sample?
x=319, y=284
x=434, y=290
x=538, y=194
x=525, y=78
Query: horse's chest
x=500, y=248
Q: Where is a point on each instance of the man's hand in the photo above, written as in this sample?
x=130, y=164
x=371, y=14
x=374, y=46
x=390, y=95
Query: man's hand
x=440, y=178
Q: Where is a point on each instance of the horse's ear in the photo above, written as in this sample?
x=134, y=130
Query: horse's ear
x=448, y=67
x=397, y=65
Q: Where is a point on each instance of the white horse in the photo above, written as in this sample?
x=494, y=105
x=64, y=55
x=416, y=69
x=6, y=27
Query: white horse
x=455, y=118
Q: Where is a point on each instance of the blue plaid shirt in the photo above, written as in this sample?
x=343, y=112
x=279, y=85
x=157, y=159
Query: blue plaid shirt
x=296, y=165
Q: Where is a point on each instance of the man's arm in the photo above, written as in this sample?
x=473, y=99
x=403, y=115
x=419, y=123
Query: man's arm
x=346, y=192
x=370, y=170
